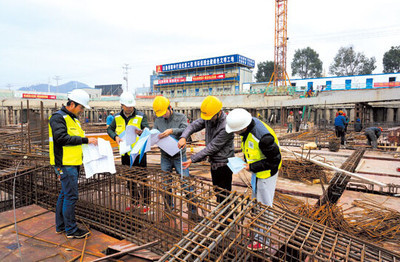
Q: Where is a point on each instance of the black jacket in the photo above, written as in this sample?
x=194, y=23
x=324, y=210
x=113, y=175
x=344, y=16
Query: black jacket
x=219, y=144
x=60, y=135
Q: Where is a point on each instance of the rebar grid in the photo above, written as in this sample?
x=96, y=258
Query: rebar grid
x=339, y=181
x=223, y=233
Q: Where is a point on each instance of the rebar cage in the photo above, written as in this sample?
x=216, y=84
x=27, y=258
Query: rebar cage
x=143, y=205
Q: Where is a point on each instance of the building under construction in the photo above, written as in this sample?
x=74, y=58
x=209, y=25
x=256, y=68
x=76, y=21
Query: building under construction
x=319, y=213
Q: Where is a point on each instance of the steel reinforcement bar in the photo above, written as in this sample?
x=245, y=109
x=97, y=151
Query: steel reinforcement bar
x=143, y=205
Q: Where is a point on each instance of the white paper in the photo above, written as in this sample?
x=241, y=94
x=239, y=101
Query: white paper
x=124, y=147
x=169, y=145
x=130, y=134
x=236, y=164
x=98, y=159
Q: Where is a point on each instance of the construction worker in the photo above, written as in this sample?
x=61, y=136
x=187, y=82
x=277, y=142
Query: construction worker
x=219, y=144
x=129, y=116
x=171, y=123
x=260, y=147
x=65, y=147
x=340, y=125
x=358, y=125
x=372, y=134
x=110, y=118
x=290, y=121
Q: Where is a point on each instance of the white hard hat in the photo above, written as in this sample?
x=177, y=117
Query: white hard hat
x=127, y=99
x=237, y=120
x=79, y=96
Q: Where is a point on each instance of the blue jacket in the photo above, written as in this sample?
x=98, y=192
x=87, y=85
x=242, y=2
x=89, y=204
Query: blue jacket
x=340, y=120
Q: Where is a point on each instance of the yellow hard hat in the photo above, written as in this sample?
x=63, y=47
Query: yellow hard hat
x=160, y=105
x=209, y=107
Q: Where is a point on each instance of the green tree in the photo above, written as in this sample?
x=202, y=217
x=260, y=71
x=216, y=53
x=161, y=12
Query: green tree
x=306, y=63
x=391, y=60
x=264, y=71
x=347, y=62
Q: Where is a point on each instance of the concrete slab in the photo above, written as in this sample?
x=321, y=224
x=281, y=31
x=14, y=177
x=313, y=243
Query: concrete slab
x=40, y=242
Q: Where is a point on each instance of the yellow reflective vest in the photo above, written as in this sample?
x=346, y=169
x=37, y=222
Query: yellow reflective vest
x=251, y=149
x=121, y=126
x=71, y=155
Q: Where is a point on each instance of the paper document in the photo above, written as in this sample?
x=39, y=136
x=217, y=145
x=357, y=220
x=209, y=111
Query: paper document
x=236, y=164
x=150, y=138
x=98, y=159
x=130, y=134
x=169, y=145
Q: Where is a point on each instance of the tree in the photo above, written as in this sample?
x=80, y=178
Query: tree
x=347, y=62
x=264, y=71
x=391, y=60
x=306, y=63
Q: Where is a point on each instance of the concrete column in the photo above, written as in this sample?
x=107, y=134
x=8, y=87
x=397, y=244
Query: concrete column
x=328, y=115
x=352, y=114
x=18, y=116
x=390, y=115
x=371, y=115
x=312, y=116
x=398, y=115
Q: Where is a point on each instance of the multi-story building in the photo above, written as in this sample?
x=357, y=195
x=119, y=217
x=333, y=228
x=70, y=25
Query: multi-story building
x=223, y=75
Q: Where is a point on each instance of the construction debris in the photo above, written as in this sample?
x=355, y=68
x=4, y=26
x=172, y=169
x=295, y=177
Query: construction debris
x=303, y=171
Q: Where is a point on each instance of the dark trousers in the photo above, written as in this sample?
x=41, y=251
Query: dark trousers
x=340, y=133
x=222, y=177
x=135, y=192
x=65, y=208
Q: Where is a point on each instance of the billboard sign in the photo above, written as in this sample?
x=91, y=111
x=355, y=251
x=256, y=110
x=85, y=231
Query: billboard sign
x=38, y=96
x=214, y=61
x=189, y=79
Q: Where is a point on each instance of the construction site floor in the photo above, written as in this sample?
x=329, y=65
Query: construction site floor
x=39, y=241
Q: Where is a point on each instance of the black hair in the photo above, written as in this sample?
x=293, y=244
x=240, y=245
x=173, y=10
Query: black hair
x=70, y=101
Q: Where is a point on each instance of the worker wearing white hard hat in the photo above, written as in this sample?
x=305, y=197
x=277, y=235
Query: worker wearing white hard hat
x=130, y=116
x=260, y=147
x=65, y=147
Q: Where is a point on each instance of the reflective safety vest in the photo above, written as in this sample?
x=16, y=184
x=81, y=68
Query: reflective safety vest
x=120, y=125
x=71, y=154
x=251, y=148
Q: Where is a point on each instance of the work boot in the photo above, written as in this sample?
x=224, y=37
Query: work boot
x=79, y=233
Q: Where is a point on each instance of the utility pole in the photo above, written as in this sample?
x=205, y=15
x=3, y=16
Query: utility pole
x=48, y=86
x=57, y=78
x=126, y=68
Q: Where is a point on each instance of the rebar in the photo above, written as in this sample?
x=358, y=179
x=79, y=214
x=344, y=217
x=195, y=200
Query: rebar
x=222, y=233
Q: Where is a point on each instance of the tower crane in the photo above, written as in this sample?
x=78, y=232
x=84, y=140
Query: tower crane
x=279, y=77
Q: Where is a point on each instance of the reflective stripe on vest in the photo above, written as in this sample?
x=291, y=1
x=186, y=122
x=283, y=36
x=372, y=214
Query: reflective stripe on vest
x=71, y=155
x=120, y=125
x=252, y=151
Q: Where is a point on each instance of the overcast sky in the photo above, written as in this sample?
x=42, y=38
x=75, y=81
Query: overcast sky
x=90, y=41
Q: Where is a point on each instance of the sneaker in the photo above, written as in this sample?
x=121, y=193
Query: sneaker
x=255, y=246
x=79, y=233
x=60, y=231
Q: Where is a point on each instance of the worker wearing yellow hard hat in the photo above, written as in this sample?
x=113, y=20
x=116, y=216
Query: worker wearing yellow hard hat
x=171, y=123
x=210, y=107
x=160, y=105
x=219, y=144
